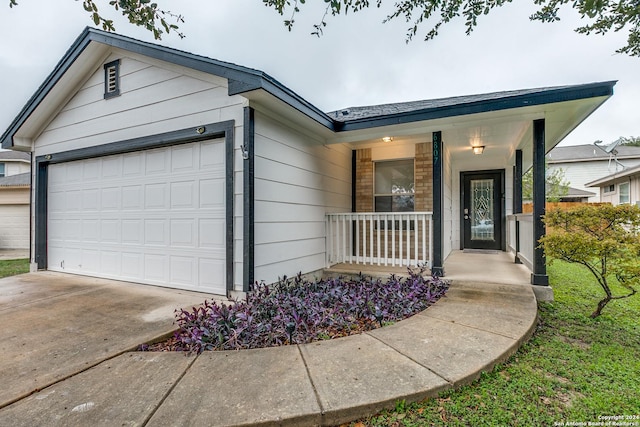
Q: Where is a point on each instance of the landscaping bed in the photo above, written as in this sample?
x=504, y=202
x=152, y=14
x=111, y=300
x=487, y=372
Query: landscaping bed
x=298, y=311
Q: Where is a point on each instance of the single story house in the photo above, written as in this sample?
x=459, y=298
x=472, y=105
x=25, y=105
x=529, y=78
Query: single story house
x=158, y=166
x=619, y=188
x=15, y=180
x=577, y=195
x=581, y=164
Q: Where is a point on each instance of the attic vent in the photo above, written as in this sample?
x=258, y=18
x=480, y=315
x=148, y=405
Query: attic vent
x=112, y=79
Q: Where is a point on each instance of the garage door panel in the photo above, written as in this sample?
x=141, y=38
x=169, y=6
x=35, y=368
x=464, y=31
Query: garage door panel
x=112, y=167
x=91, y=231
x=155, y=196
x=156, y=162
x=183, y=195
x=110, y=199
x=183, y=270
x=132, y=197
x=183, y=158
x=212, y=193
x=132, y=232
x=155, y=216
x=110, y=231
x=131, y=265
x=183, y=233
x=132, y=165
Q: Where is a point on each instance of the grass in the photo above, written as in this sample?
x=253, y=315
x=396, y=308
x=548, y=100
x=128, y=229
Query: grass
x=573, y=370
x=13, y=267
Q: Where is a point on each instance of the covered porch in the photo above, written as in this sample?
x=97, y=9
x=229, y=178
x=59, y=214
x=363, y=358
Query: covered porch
x=459, y=199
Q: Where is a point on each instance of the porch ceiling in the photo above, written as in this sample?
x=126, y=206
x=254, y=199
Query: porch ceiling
x=501, y=132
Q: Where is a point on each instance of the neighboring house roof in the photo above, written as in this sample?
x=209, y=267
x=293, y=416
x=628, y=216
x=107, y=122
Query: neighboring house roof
x=18, y=180
x=609, y=179
x=14, y=155
x=576, y=192
x=589, y=152
x=249, y=82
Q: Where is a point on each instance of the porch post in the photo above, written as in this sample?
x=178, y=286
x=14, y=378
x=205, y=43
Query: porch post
x=517, y=184
x=539, y=276
x=517, y=199
x=437, y=268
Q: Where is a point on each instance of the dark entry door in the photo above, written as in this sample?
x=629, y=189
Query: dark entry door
x=482, y=209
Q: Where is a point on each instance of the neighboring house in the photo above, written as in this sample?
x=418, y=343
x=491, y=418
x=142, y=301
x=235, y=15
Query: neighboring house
x=14, y=199
x=583, y=163
x=158, y=166
x=620, y=188
x=577, y=195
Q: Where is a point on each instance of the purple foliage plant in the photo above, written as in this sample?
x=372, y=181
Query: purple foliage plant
x=296, y=311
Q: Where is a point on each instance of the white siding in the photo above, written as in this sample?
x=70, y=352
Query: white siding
x=580, y=173
x=14, y=227
x=613, y=197
x=14, y=168
x=297, y=181
x=155, y=98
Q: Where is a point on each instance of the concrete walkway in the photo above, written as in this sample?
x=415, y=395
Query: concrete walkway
x=471, y=330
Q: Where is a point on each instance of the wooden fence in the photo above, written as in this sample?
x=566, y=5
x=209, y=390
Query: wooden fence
x=528, y=207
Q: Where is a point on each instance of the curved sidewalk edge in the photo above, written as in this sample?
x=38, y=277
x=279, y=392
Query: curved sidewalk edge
x=475, y=327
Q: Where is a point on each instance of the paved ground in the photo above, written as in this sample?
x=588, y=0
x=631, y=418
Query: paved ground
x=475, y=327
x=54, y=325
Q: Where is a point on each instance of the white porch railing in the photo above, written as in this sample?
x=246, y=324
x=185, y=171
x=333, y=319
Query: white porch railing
x=395, y=239
x=520, y=237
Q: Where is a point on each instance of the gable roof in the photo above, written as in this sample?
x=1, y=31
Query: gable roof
x=248, y=81
x=18, y=180
x=576, y=192
x=609, y=179
x=589, y=152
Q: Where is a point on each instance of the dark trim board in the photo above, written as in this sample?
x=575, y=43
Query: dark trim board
x=184, y=136
x=248, y=217
x=437, y=269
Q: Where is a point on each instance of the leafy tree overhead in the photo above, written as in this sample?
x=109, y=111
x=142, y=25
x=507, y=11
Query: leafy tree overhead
x=633, y=141
x=602, y=16
x=604, y=239
x=142, y=13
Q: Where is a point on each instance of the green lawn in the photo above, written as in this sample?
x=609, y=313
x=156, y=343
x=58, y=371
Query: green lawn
x=13, y=267
x=573, y=370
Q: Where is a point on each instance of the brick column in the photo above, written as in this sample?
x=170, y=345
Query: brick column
x=424, y=177
x=364, y=180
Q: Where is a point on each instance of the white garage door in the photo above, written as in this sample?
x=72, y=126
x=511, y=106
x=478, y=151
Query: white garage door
x=14, y=226
x=155, y=217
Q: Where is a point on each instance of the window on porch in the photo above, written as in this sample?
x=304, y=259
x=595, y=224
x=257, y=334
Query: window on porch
x=394, y=189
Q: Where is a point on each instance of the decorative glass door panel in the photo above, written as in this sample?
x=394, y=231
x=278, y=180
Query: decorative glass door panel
x=482, y=209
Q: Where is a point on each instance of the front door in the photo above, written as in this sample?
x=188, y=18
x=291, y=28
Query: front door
x=482, y=209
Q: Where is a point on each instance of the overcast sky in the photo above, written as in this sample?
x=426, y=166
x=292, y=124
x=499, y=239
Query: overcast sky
x=358, y=61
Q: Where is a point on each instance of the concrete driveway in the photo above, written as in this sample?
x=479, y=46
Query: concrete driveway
x=54, y=325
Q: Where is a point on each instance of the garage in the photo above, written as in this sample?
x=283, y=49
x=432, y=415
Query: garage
x=14, y=227
x=154, y=216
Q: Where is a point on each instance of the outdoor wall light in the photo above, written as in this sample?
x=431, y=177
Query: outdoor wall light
x=387, y=138
x=478, y=149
